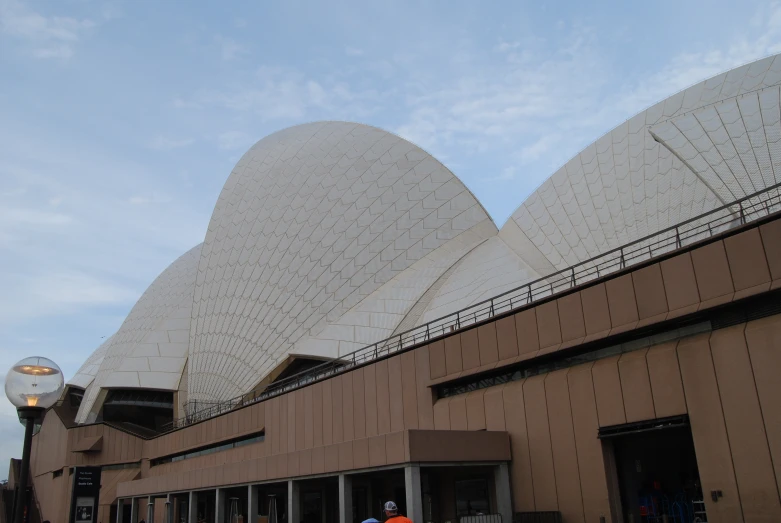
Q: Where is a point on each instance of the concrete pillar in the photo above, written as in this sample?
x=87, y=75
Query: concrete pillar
x=192, y=508
x=504, y=500
x=219, y=506
x=413, y=493
x=293, y=502
x=346, y=499
x=133, y=510
x=252, y=504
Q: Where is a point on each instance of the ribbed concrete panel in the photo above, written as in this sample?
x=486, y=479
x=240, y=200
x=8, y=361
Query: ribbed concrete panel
x=710, y=144
x=150, y=348
x=312, y=220
x=378, y=315
x=490, y=269
x=89, y=369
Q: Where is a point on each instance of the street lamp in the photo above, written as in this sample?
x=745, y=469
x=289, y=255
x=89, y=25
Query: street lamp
x=32, y=385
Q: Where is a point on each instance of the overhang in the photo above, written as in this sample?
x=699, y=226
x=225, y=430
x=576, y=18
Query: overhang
x=360, y=455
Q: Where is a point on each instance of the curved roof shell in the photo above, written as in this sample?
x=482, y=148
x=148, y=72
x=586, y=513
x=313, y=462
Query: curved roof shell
x=330, y=236
x=313, y=220
x=150, y=348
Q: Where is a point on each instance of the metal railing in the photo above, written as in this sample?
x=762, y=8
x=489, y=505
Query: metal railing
x=747, y=209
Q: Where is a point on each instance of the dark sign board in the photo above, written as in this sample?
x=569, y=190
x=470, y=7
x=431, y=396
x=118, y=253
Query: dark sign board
x=85, y=496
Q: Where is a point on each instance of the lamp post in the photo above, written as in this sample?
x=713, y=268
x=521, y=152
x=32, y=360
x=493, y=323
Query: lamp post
x=32, y=386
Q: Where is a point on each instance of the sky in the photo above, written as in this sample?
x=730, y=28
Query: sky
x=121, y=121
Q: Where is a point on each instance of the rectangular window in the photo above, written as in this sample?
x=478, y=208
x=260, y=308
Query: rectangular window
x=472, y=498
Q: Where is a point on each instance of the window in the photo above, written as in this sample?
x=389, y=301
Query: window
x=472, y=498
x=210, y=449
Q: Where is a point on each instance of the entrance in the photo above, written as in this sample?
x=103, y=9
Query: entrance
x=658, y=476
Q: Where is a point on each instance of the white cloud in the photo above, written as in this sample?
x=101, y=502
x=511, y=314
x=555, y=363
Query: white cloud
x=56, y=293
x=47, y=36
x=229, y=49
x=550, y=104
x=353, y=51
x=153, y=198
x=507, y=46
x=232, y=140
x=280, y=93
x=161, y=143
x=11, y=217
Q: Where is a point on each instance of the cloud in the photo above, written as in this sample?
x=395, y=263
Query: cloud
x=353, y=51
x=56, y=293
x=283, y=93
x=150, y=199
x=549, y=103
x=229, y=49
x=47, y=36
x=507, y=46
x=10, y=217
x=232, y=140
x=161, y=143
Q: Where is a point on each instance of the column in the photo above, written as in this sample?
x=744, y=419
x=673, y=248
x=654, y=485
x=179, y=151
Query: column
x=150, y=510
x=120, y=506
x=293, y=502
x=413, y=493
x=219, y=506
x=192, y=508
x=346, y=499
x=169, y=509
x=504, y=500
x=252, y=504
x=133, y=510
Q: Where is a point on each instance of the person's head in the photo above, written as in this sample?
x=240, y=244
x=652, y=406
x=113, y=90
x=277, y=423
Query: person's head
x=391, y=509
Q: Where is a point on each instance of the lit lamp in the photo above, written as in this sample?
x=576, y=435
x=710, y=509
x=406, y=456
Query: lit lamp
x=32, y=385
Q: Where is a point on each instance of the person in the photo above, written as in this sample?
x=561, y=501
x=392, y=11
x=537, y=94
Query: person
x=392, y=514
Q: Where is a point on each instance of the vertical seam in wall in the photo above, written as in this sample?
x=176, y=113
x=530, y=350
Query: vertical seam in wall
x=550, y=440
x=594, y=390
x=726, y=430
x=528, y=449
x=761, y=411
x=575, y=445
x=731, y=279
x=764, y=252
x=680, y=377
x=648, y=374
x=621, y=385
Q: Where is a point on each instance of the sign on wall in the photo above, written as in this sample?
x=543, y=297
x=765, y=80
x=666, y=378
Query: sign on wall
x=85, y=496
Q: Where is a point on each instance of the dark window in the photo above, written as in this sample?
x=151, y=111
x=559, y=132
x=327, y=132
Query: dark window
x=532, y=368
x=149, y=409
x=210, y=449
x=472, y=497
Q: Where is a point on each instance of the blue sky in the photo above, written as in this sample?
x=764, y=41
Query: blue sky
x=120, y=121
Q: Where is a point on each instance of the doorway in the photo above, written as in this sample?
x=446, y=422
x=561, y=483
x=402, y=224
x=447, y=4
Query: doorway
x=658, y=476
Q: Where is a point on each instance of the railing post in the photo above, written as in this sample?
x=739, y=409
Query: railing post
x=677, y=238
x=492, y=308
x=742, y=213
x=572, y=281
x=458, y=320
x=623, y=263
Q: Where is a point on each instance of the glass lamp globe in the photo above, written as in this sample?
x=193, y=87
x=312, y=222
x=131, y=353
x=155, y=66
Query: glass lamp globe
x=34, y=382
